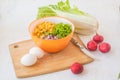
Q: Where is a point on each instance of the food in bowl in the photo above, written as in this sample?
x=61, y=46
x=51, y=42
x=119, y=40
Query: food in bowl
x=43, y=29
x=53, y=38
x=50, y=30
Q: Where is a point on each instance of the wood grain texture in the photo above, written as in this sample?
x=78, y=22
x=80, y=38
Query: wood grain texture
x=50, y=62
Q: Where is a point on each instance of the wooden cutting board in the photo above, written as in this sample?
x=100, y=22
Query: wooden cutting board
x=50, y=62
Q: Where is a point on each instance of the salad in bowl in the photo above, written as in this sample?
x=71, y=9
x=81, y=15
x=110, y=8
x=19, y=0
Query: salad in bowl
x=52, y=34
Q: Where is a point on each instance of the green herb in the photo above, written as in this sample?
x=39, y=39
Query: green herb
x=62, y=30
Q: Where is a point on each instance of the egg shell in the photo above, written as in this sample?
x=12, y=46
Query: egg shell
x=28, y=60
x=37, y=52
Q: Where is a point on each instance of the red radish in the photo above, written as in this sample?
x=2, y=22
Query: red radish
x=98, y=38
x=104, y=47
x=92, y=45
x=77, y=68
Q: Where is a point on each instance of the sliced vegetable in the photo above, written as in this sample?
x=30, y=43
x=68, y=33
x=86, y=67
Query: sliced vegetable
x=50, y=30
x=84, y=23
x=62, y=30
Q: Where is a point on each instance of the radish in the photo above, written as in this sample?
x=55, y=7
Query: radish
x=98, y=38
x=77, y=68
x=92, y=45
x=104, y=47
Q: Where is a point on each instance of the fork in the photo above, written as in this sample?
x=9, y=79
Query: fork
x=82, y=48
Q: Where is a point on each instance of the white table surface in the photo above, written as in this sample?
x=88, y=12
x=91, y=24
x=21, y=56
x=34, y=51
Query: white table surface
x=15, y=16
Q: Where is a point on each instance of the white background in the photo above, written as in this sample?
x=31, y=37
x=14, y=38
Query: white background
x=16, y=15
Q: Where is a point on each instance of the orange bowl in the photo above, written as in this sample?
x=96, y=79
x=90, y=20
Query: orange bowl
x=51, y=46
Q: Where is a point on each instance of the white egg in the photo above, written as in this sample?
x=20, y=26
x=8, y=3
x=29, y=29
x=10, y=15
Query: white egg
x=28, y=59
x=37, y=52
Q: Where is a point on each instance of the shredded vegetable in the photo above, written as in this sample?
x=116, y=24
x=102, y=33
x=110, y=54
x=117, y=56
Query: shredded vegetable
x=62, y=30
